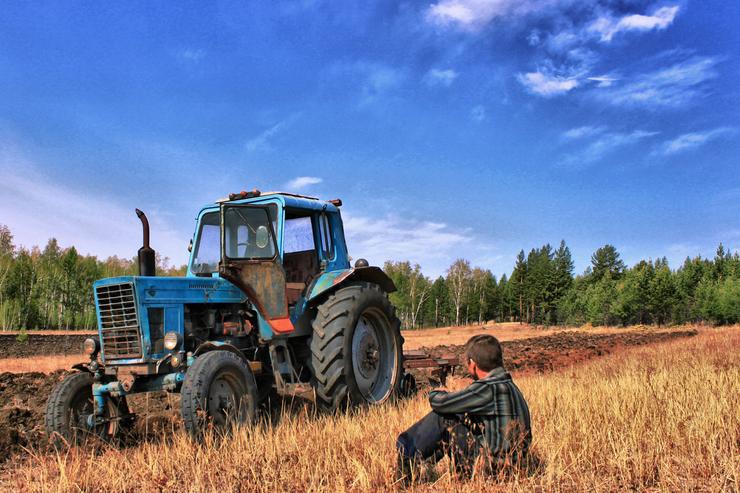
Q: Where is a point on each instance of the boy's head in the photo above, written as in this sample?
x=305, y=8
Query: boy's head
x=484, y=353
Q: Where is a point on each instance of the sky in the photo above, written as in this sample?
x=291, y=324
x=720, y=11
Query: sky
x=449, y=128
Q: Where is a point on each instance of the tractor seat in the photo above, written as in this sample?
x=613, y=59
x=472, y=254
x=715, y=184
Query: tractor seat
x=293, y=291
x=300, y=268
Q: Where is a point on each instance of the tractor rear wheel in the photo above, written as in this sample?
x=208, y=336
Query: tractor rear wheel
x=356, y=348
x=71, y=404
x=219, y=390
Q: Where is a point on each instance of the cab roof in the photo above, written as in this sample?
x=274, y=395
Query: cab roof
x=292, y=200
x=257, y=193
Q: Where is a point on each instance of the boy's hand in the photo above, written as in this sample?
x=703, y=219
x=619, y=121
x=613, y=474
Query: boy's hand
x=455, y=383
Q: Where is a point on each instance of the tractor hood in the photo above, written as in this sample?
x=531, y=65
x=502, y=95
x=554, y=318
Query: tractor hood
x=134, y=312
x=177, y=290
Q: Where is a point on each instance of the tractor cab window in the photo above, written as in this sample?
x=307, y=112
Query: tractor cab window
x=207, y=251
x=248, y=233
x=300, y=256
x=326, y=241
x=298, y=235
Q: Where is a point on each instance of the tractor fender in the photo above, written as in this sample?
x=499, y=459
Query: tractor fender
x=81, y=367
x=209, y=346
x=333, y=280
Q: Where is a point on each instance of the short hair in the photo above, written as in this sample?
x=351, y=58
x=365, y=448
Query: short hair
x=485, y=351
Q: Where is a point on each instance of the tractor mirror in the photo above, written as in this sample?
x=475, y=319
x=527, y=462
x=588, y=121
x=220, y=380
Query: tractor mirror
x=262, y=237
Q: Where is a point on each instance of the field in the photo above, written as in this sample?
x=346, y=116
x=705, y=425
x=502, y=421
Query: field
x=662, y=416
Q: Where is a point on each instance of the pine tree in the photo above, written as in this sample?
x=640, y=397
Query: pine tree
x=606, y=260
x=518, y=283
x=662, y=294
x=563, y=276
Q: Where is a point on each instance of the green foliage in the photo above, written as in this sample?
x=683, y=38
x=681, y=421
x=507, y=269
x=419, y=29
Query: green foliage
x=412, y=291
x=605, y=261
x=22, y=336
x=52, y=288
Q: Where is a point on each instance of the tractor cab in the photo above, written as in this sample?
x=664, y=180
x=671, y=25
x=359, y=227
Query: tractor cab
x=272, y=246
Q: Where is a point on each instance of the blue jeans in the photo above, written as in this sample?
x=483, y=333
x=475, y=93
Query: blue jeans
x=433, y=437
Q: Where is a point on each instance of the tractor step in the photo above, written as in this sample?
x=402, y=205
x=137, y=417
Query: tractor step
x=303, y=390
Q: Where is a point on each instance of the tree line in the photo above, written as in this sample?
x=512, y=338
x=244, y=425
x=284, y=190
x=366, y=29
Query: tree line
x=51, y=288
x=542, y=289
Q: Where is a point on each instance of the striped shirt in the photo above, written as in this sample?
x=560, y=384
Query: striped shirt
x=495, y=410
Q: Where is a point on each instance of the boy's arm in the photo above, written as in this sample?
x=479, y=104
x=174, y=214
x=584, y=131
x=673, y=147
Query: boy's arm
x=476, y=398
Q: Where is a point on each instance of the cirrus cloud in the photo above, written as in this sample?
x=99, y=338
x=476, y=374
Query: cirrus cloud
x=301, y=182
x=692, y=140
x=440, y=77
x=673, y=86
x=547, y=85
x=607, y=26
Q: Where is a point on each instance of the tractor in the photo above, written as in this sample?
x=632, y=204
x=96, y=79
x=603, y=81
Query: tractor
x=269, y=304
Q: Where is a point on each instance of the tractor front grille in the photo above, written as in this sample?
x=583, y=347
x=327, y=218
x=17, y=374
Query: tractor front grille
x=119, y=321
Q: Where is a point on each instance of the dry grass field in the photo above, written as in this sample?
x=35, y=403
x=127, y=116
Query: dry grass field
x=41, y=363
x=658, y=418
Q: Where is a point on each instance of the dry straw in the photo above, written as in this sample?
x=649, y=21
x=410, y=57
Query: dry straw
x=658, y=418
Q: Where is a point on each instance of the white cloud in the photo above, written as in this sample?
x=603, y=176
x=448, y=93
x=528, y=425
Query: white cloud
x=302, y=182
x=603, y=80
x=602, y=146
x=439, y=77
x=261, y=142
x=35, y=208
x=478, y=113
x=582, y=132
x=692, y=140
x=192, y=55
x=473, y=15
x=607, y=27
x=432, y=245
x=547, y=85
x=673, y=86
x=562, y=41
x=376, y=80
x=534, y=38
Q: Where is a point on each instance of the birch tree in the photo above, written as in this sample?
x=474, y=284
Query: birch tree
x=458, y=280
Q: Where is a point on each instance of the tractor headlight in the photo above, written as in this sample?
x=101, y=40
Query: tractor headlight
x=171, y=340
x=91, y=346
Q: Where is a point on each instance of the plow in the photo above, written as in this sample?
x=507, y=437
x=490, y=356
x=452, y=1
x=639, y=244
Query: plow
x=439, y=368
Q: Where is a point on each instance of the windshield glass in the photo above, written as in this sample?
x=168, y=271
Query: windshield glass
x=248, y=233
x=206, y=253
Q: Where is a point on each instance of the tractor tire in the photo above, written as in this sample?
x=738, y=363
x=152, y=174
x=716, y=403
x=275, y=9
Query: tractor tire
x=356, y=348
x=68, y=407
x=219, y=391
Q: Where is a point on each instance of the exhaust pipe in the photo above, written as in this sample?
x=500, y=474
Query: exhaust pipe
x=147, y=258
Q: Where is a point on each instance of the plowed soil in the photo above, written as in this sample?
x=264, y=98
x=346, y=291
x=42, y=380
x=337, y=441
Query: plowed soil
x=23, y=396
x=38, y=344
x=562, y=349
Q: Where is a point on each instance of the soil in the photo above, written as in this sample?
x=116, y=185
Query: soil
x=23, y=395
x=40, y=344
x=558, y=350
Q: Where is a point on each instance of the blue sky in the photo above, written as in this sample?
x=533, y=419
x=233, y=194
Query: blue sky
x=456, y=128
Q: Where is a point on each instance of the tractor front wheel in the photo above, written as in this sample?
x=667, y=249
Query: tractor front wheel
x=219, y=390
x=70, y=407
x=356, y=347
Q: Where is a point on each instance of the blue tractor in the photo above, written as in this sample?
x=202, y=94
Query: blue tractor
x=269, y=303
